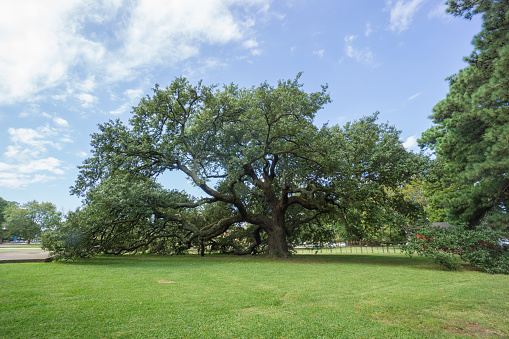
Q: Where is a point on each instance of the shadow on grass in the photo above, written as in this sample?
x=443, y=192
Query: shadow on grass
x=365, y=259
x=394, y=260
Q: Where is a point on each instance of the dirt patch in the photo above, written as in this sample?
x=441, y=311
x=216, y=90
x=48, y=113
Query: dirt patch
x=166, y=282
x=473, y=330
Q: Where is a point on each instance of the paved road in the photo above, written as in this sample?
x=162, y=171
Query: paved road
x=11, y=255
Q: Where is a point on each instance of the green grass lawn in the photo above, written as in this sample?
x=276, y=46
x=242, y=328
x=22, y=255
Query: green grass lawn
x=307, y=296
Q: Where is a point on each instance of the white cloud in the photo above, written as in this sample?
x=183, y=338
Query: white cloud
x=11, y=152
x=40, y=45
x=158, y=31
x=48, y=44
x=410, y=143
x=87, y=85
x=361, y=55
x=201, y=67
x=24, y=174
x=47, y=164
x=368, y=30
x=213, y=63
x=250, y=43
x=31, y=110
x=439, y=12
x=134, y=94
x=28, y=136
x=66, y=138
x=30, y=143
x=87, y=100
x=124, y=108
x=414, y=96
x=319, y=53
x=61, y=122
x=16, y=180
x=131, y=98
x=402, y=13
x=25, y=161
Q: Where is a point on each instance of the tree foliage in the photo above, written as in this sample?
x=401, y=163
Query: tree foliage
x=265, y=170
x=30, y=219
x=478, y=247
x=3, y=206
x=471, y=133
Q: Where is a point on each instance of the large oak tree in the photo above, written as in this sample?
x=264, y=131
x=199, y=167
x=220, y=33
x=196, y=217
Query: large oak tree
x=261, y=163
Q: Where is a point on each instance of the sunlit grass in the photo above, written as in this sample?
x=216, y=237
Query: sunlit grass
x=307, y=296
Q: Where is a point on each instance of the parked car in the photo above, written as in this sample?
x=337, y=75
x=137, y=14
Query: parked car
x=504, y=243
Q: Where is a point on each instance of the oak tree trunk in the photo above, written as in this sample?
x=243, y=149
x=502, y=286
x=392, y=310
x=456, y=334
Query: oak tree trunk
x=277, y=244
x=202, y=248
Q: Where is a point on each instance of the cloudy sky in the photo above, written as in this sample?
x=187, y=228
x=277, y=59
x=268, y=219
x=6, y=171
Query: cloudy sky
x=68, y=65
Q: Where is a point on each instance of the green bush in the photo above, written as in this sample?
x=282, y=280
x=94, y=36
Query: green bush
x=478, y=247
x=68, y=240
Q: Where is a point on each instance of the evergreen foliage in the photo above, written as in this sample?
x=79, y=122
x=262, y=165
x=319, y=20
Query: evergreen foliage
x=471, y=133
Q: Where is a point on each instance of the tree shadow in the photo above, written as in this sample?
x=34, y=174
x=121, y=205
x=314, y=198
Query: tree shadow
x=156, y=261
x=363, y=259
x=387, y=259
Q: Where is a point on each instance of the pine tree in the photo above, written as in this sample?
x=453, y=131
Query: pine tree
x=471, y=132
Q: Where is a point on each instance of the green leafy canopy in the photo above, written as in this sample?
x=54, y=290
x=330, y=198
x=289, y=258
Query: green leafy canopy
x=259, y=160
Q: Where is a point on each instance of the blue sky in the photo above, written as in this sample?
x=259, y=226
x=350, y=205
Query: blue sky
x=68, y=65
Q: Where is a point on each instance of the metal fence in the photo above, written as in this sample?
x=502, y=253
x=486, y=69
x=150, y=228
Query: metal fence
x=382, y=249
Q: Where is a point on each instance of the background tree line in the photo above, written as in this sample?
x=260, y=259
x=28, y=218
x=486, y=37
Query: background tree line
x=27, y=221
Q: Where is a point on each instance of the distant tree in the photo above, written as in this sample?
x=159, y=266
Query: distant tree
x=257, y=157
x=31, y=219
x=427, y=192
x=3, y=205
x=471, y=132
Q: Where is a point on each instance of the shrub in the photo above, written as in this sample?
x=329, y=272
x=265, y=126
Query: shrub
x=478, y=247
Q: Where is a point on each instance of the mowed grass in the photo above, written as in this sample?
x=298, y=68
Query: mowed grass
x=306, y=296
